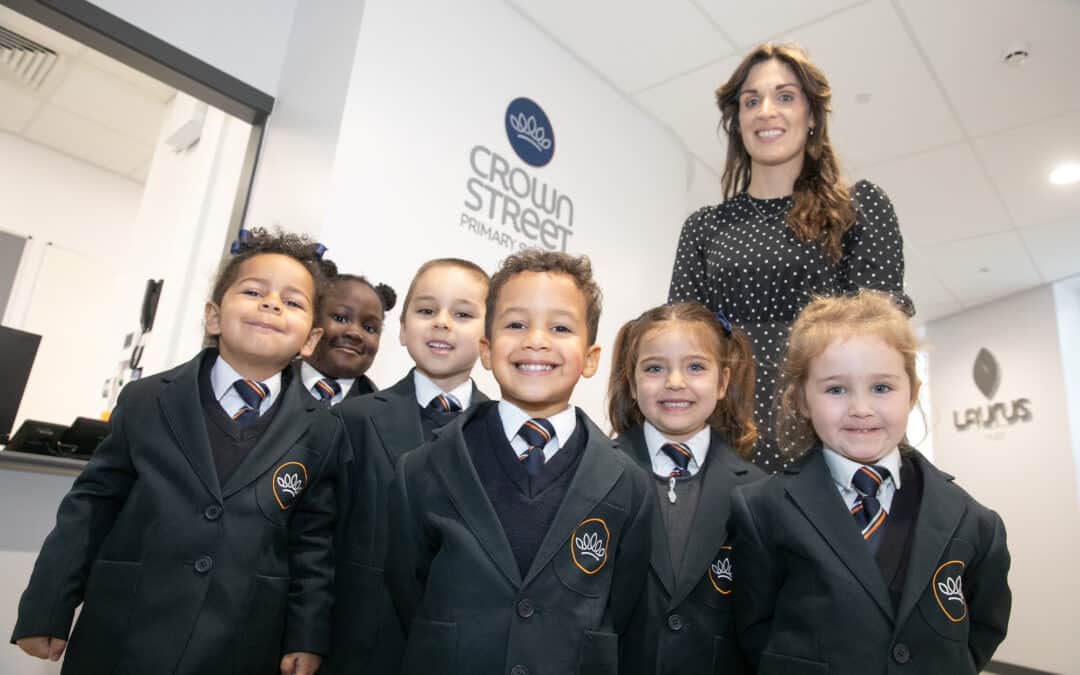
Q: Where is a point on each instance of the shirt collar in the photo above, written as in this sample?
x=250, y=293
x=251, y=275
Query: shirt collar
x=223, y=376
x=311, y=376
x=842, y=468
x=427, y=390
x=513, y=417
x=699, y=442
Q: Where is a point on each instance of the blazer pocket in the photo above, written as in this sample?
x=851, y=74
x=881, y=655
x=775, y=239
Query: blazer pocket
x=599, y=654
x=102, y=629
x=431, y=648
x=790, y=665
x=726, y=656
x=585, y=562
x=943, y=604
x=259, y=648
x=359, y=597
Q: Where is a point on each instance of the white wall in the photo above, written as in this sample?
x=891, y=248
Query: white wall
x=1067, y=305
x=244, y=38
x=1025, y=471
x=432, y=81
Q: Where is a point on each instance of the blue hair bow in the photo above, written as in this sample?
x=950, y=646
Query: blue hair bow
x=723, y=321
x=242, y=237
x=319, y=251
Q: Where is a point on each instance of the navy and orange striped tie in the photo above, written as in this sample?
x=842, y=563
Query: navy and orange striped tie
x=536, y=432
x=326, y=389
x=253, y=393
x=444, y=403
x=867, y=510
x=681, y=455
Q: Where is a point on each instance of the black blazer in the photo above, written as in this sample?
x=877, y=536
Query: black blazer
x=688, y=627
x=379, y=429
x=456, y=584
x=794, y=533
x=176, y=573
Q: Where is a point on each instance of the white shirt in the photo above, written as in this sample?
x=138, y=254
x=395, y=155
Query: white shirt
x=426, y=390
x=662, y=465
x=513, y=417
x=310, y=377
x=222, y=378
x=842, y=469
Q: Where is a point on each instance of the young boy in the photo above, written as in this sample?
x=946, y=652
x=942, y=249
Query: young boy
x=519, y=537
x=352, y=323
x=198, y=536
x=441, y=325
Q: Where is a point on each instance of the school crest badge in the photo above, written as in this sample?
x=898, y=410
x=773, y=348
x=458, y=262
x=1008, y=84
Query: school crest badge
x=948, y=588
x=589, y=545
x=720, y=573
x=289, y=479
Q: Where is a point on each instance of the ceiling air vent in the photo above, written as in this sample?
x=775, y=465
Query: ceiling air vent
x=26, y=59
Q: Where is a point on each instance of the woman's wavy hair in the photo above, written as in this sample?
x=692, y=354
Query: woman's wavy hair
x=822, y=211
x=733, y=416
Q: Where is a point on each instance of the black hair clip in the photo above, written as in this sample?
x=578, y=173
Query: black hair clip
x=242, y=238
x=319, y=251
x=723, y=321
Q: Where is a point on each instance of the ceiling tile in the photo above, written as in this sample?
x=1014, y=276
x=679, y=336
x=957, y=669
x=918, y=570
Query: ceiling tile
x=37, y=32
x=922, y=285
x=1020, y=161
x=1055, y=248
x=634, y=43
x=111, y=102
x=987, y=94
x=927, y=312
x=159, y=90
x=940, y=195
x=61, y=130
x=1008, y=268
x=19, y=106
x=749, y=23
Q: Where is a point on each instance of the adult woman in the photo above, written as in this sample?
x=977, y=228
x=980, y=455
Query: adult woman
x=789, y=227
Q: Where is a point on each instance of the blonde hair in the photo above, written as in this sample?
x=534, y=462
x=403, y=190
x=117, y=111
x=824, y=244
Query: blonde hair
x=733, y=415
x=819, y=324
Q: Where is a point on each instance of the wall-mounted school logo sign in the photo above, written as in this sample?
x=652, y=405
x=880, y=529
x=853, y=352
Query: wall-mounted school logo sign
x=289, y=479
x=986, y=374
x=720, y=571
x=529, y=131
x=948, y=588
x=589, y=545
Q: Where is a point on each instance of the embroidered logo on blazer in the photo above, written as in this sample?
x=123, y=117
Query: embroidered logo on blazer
x=589, y=545
x=289, y=479
x=720, y=572
x=948, y=588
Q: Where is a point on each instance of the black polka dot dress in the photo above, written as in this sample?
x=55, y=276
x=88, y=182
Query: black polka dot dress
x=740, y=257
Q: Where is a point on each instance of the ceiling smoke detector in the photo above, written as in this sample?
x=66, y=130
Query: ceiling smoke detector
x=1015, y=54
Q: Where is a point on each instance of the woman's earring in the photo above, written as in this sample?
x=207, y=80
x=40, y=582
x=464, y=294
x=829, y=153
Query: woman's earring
x=811, y=131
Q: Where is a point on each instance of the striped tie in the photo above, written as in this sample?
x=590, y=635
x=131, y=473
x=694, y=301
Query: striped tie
x=444, y=403
x=681, y=455
x=326, y=389
x=536, y=432
x=253, y=393
x=867, y=510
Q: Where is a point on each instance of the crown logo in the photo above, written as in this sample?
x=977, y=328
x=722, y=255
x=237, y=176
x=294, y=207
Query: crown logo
x=291, y=483
x=952, y=589
x=721, y=569
x=591, y=545
x=530, y=131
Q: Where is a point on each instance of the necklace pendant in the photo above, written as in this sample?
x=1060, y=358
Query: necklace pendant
x=671, y=491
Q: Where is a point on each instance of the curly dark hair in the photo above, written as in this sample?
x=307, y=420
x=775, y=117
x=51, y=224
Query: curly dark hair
x=258, y=241
x=387, y=296
x=578, y=268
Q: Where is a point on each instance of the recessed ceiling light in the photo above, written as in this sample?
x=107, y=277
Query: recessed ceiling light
x=864, y=97
x=1015, y=54
x=984, y=270
x=1065, y=173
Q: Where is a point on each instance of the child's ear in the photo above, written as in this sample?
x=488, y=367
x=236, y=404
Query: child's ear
x=725, y=379
x=212, y=318
x=309, y=345
x=485, y=353
x=592, y=361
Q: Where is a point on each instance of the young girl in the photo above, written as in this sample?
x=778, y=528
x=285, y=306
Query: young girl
x=681, y=401
x=198, y=537
x=861, y=556
x=352, y=322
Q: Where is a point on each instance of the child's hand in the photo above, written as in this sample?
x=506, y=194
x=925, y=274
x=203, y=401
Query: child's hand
x=300, y=663
x=44, y=647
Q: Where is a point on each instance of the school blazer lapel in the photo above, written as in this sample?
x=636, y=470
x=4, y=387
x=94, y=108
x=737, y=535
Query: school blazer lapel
x=633, y=442
x=182, y=405
x=940, y=512
x=812, y=489
x=598, y=471
x=290, y=422
x=398, y=422
x=450, y=459
x=709, y=526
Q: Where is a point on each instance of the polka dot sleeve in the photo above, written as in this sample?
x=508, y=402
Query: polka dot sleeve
x=873, y=249
x=689, y=277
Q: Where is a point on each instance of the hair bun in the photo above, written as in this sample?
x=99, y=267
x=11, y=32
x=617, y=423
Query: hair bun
x=387, y=295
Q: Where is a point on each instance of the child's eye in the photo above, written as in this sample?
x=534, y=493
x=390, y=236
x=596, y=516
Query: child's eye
x=463, y=315
x=251, y=291
x=836, y=389
x=882, y=388
x=652, y=368
x=561, y=329
x=697, y=367
x=374, y=329
x=294, y=303
x=339, y=318
x=516, y=325
x=425, y=311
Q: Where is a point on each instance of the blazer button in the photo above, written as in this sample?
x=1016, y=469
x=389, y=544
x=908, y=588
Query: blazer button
x=525, y=608
x=203, y=564
x=519, y=670
x=901, y=653
x=212, y=512
x=675, y=622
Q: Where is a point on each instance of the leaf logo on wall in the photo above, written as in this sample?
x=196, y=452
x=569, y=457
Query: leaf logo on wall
x=986, y=373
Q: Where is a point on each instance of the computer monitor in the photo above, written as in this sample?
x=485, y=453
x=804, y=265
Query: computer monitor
x=17, y=351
